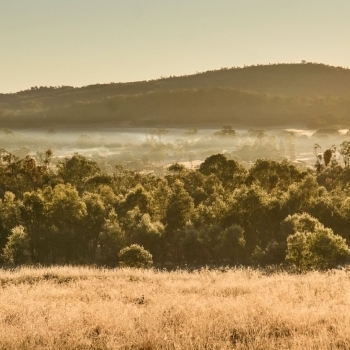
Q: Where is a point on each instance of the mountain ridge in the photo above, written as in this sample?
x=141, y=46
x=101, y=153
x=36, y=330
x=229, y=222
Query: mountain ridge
x=278, y=94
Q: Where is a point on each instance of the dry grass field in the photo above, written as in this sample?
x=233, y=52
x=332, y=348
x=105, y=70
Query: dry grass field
x=82, y=308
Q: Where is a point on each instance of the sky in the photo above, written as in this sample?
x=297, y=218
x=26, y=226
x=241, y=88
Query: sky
x=83, y=42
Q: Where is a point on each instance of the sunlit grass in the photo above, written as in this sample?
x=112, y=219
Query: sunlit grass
x=87, y=308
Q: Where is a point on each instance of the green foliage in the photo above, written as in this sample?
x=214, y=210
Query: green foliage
x=16, y=250
x=180, y=207
x=67, y=212
x=250, y=208
x=136, y=197
x=34, y=218
x=192, y=247
x=219, y=214
x=273, y=254
x=10, y=216
x=227, y=171
x=147, y=233
x=135, y=256
x=345, y=152
x=176, y=168
x=76, y=169
x=233, y=242
x=110, y=241
x=272, y=174
x=301, y=194
x=321, y=249
x=299, y=223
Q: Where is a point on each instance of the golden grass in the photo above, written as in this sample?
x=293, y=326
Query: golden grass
x=82, y=308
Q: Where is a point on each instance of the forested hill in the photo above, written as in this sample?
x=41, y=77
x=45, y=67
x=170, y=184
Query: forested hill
x=280, y=94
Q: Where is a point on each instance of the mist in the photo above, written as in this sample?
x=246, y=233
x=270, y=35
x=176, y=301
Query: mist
x=154, y=149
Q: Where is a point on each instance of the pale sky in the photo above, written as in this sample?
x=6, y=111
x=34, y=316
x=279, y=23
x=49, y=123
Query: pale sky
x=82, y=42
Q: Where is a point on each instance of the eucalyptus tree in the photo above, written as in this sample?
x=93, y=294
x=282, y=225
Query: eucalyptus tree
x=148, y=234
x=179, y=212
x=76, y=170
x=35, y=220
x=110, y=241
x=344, y=150
x=67, y=212
x=92, y=224
x=10, y=216
x=229, y=172
x=180, y=207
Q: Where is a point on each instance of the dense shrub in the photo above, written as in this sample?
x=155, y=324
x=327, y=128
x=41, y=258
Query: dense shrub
x=135, y=256
x=321, y=249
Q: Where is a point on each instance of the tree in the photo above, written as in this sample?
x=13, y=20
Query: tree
x=176, y=168
x=67, y=212
x=10, y=216
x=273, y=254
x=135, y=256
x=272, y=174
x=300, y=195
x=327, y=250
x=297, y=249
x=110, y=241
x=328, y=154
x=34, y=218
x=318, y=165
x=180, y=207
x=233, y=242
x=290, y=226
x=249, y=207
x=94, y=220
x=16, y=250
x=136, y=197
x=299, y=223
x=159, y=200
x=226, y=131
x=321, y=250
x=19, y=175
x=192, y=247
x=229, y=172
x=147, y=233
x=344, y=150
x=159, y=132
x=76, y=169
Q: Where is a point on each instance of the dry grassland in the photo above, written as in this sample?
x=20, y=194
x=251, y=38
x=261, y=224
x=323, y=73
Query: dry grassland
x=81, y=308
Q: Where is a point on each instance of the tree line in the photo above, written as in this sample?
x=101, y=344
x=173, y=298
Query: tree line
x=219, y=214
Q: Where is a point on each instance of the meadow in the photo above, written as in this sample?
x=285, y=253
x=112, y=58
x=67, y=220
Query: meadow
x=89, y=308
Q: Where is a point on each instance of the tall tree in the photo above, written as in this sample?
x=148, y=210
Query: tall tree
x=76, y=169
x=67, y=212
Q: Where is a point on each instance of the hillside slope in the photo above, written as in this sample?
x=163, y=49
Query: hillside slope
x=309, y=94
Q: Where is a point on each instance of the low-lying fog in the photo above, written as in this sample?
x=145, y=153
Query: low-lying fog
x=150, y=149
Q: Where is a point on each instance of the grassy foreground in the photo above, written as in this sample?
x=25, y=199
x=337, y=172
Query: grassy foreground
x=81, y=308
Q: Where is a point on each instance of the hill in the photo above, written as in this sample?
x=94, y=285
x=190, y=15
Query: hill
x=281, y=94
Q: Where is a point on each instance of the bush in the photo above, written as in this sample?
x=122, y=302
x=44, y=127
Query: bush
x=319, y=250
x=16, y=250
x=135, y=256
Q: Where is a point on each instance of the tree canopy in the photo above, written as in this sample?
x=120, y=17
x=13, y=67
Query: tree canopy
x=219, y=214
